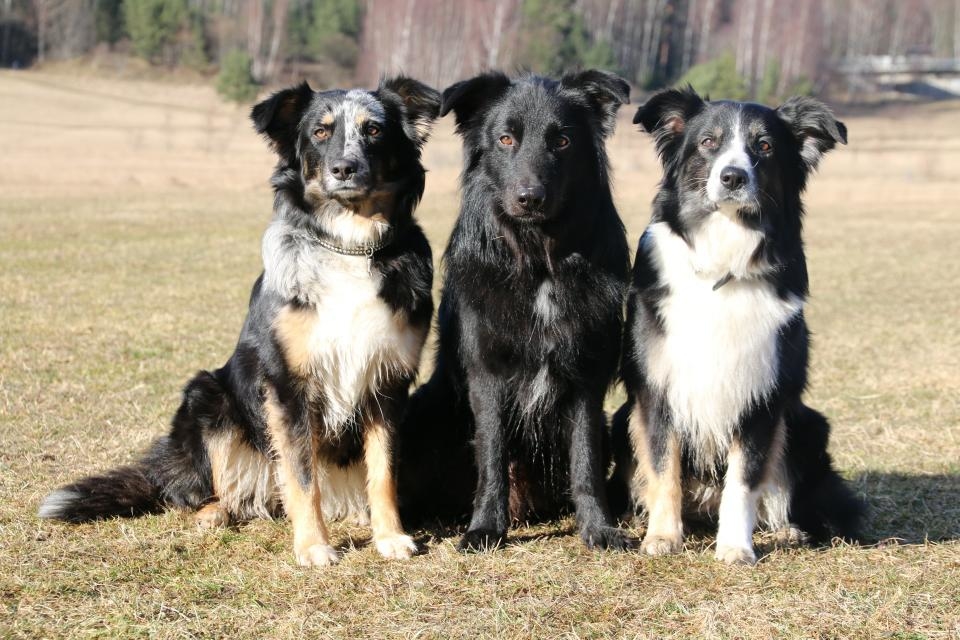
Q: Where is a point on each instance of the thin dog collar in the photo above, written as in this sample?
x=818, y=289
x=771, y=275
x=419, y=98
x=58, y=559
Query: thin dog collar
x=363, y=250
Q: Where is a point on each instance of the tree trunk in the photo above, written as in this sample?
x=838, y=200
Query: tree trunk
x=764, y=52
x=254, y=38
x=280, y=11
x=706, y=26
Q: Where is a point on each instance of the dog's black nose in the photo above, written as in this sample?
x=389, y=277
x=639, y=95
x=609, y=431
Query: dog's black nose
x=531, y=197
x=343, y=169
x=733, y=178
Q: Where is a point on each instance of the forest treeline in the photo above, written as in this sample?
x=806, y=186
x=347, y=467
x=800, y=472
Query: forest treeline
x=759, y=49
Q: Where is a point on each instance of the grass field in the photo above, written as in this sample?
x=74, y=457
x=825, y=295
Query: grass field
x=130, y=216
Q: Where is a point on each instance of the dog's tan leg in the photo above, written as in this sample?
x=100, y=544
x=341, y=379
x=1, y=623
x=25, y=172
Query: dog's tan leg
x=662, y=489
x=301, y=492
x=388, y=535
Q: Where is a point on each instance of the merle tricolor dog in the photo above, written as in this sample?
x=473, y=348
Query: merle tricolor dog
x=715, y=348
x=531, y=312
x=302, y=416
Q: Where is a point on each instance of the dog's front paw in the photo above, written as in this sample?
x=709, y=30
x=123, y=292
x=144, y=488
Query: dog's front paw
x=317, y=555
x=654, y=545
x=481, y=540
x=736, y=555
x=604, y=537
x=397, y=547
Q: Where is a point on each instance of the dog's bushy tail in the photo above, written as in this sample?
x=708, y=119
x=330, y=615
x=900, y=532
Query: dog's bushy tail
x=823, y=503
x=175, y=471
x=126, y=491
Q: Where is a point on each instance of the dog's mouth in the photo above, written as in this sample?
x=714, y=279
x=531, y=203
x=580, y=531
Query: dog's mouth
x=350, y=195
x=743, y=203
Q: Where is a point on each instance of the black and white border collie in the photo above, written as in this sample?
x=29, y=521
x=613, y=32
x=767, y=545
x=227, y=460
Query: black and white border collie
x=532, y=308
x=715, y=350
x=302, y=416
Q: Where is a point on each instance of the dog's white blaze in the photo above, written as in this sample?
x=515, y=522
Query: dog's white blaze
x=718, y=354
x=721, y=246
x=538, y=391
x=544, y=306
x=734, y=155
x=355, y=338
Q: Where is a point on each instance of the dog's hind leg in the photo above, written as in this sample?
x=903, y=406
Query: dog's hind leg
x=244, y=483
x=659, y=462
x=587, y=473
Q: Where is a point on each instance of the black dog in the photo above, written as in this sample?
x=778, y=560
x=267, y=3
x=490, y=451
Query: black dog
x=302, y=416
x=531, y=313
x=715, y=350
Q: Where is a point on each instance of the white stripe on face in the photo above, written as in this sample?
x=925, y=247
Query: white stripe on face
x=734, y=155
x=356, y=109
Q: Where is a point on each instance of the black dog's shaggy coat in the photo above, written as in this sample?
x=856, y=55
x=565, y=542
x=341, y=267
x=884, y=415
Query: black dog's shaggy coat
x=531, y=313
x=716, y=347
x=302, y=415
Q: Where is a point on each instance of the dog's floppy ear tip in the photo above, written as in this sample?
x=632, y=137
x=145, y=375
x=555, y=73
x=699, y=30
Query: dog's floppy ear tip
x=465, y=97
x=638, y=116
x=264, y=112
x=842, y=130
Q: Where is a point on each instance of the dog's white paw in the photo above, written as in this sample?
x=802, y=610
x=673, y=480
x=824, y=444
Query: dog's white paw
x=661, y=545
x=398, y=547
x=317, y=555
x=736, y=555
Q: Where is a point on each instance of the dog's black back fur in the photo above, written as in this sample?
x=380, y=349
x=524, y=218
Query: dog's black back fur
x=531, y=312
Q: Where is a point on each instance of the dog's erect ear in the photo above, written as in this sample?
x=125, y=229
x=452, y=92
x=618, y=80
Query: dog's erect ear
x=470, y=98
x=421, y=105
x=666, y=114
x=278, y=116
x=814, y=125
x=604, y=91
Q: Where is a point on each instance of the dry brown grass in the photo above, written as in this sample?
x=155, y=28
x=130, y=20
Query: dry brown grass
x=130, y=217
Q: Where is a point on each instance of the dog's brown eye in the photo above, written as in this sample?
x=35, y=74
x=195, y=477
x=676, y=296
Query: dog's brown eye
x=373, y=130
x=765, y=146
x=563, y=142
x=322, y=132
x=708, y=143
x=506, y=141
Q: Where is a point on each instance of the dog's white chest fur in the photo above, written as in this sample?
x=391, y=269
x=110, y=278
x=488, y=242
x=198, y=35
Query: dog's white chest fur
x=719, y=354
x=343, y=338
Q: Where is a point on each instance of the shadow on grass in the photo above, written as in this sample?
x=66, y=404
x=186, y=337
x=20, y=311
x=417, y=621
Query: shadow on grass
x=911, y=508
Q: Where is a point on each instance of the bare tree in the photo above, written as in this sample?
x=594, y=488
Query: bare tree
x=706, y=26
x=278, y=26
x=255, y=38
x=493, y=31
x=764, y=50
